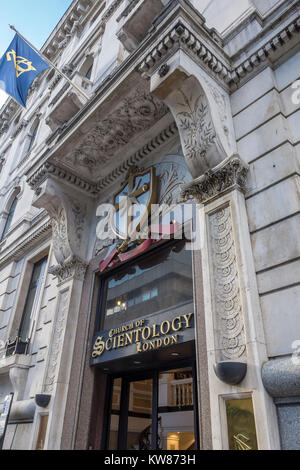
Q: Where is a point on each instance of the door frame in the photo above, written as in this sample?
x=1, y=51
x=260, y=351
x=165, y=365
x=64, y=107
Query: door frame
x=124, y=403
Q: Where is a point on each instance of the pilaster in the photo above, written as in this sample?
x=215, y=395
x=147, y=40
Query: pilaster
x=195, y=86
x=71, y=212
x=234, y=329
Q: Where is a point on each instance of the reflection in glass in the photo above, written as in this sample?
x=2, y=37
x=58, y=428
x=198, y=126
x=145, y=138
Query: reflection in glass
x=241, y=424
x=160, y=281
x=42, y=433
x=115, y=415
x=176, y=410
x=139, y=432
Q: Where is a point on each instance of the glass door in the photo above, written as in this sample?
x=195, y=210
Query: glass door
x=139, y=426
x=157, y=411
x=176, y=420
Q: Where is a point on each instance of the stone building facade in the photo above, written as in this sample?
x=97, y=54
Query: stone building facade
x=204, y=92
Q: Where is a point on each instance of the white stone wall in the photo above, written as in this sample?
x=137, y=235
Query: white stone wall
x=267, y=134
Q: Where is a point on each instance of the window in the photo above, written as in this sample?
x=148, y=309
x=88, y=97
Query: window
x=89, y=73
x=33, y=136
x=9, y=218
x=87, y=67
x=162, y=280
x=32, y=298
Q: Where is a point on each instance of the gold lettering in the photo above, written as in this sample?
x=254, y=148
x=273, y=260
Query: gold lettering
x=155, y=333
x=174, y=339
x=121, y=340
x=188, y=320
x=179, y=327
x=148, y=329
x=137, y=334
x=130, y=333
x=163, y=331
x=128, y=338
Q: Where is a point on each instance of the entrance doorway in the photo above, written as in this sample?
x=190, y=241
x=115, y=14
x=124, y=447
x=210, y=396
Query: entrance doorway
x=154, y=411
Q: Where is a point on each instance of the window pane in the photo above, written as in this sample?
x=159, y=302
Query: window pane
x=9, y=218
x=160, y=281
x=176, y=410
x=241, y=424
x=42, y=432
x=32, y=297
x=26, y=320
x=115, y=415
x=32, y=138
x=139, y=432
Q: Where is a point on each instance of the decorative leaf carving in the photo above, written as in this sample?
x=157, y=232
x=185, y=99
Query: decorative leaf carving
x=197, y=128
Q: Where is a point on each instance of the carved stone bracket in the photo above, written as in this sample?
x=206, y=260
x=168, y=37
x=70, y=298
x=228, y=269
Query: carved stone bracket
x=70, y=226
x=228, y=175
x=201, y=109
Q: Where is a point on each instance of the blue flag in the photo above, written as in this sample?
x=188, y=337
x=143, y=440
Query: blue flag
x=19, y=66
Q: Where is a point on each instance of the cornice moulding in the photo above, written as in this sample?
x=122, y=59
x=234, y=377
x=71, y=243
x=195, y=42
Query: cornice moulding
x=138, y=156
x=47, y=169
x=181, y=36
x=17, y=249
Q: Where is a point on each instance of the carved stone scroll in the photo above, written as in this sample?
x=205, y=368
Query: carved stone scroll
x=228, y=316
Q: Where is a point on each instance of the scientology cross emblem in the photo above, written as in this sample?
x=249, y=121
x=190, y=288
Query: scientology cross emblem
x=18, y=61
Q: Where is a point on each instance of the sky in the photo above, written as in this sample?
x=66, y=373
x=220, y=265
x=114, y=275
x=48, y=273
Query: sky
x=35, y=19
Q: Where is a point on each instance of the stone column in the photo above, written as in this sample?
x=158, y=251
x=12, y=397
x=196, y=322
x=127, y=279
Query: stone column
x=236, y=346
x=235, y=343
x=71, y=221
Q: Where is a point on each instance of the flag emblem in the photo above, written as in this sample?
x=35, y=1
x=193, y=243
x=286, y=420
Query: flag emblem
x=19, y=62
x=19, y=67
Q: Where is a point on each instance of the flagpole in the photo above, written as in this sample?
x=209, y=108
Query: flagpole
x=51, y=64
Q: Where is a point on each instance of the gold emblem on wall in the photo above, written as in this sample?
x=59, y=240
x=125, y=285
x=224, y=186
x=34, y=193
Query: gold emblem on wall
x=133, y=203
x=241, y=442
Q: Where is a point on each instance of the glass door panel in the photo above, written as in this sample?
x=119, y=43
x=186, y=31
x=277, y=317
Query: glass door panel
x=176, y=410
x=139, y=428
x=158, y=409
x=115, y=414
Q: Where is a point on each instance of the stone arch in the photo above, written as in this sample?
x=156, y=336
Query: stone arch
x=14, y=193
